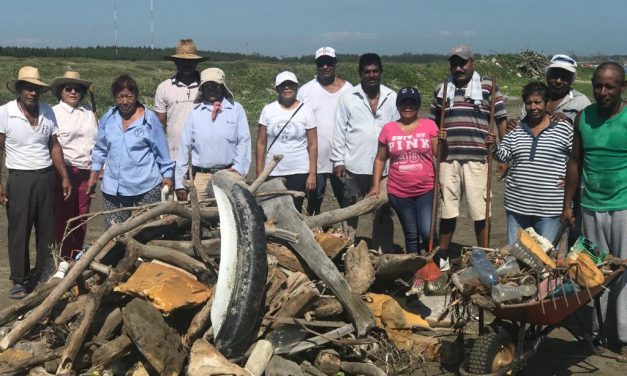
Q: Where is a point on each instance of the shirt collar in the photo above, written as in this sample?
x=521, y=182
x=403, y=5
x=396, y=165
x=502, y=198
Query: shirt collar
x=196, y=82
x=69, y=109
x=13, y=110
x=226, y=104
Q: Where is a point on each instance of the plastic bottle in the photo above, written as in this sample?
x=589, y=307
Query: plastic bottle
x=64, y=266
x=483, y=267
x=438, y=287
x=503, y=293
x=510, y=267
x=528, y=258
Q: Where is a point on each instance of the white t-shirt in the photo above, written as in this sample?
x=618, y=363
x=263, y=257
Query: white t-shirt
x=77, y=133
x=323, y=105
x=292, y=142
x=26, y=146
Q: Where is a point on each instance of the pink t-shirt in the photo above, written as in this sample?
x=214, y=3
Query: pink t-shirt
x=411, y=170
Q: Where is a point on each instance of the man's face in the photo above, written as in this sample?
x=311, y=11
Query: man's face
x=558, y=80
x=326, y=68
x=607, y=88
x=186, y=66
x=535, y=107
x=370, y=76
x=29, y=93
x=461, y=70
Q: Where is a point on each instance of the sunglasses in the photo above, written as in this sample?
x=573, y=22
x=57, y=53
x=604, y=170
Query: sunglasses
x=69, y=89
x=322, y=62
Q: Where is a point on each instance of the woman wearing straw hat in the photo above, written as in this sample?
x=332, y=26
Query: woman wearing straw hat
x=289, y=127
x=77, y=135
x=28, y=136
x=216, y=132
x=132, y=143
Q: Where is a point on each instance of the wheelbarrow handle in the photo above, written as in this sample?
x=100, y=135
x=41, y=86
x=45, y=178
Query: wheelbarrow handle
x=559, y=234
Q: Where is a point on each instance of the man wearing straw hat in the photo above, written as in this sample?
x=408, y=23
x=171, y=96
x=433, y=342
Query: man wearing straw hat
x=28, y=132
x=175, y=96
x=77, y=135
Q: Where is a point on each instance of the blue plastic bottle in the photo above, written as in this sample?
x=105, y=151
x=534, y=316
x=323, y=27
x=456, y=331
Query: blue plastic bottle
x=483, y=267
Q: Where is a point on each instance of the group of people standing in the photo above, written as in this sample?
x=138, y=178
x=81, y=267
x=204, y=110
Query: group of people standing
x=364, y=139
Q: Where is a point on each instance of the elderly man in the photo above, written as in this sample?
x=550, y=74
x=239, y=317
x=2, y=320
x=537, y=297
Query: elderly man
x=322, y=94
x=600, y=140
x=463, y=168
x=28, y=137
x=175, y=96
x=361, y=114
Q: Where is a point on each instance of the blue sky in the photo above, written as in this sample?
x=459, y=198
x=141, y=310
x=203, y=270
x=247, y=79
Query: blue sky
x=298, y=27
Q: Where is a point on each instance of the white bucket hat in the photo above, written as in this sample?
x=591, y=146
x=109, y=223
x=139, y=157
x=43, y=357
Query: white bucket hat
x=69, y=77
x=28, y=74
x=213, y=75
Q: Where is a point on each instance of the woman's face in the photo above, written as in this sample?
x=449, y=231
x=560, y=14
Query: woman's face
x=126, y=101
x=71, y=94
x=408, y=109
x=212, y=91
x=287, y=91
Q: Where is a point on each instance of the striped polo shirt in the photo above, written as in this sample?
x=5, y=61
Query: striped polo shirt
x=537, y=163
x=467, y=123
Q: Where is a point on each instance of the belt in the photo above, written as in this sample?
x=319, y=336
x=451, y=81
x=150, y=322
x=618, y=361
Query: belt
x=38, y=171
x=209, y=170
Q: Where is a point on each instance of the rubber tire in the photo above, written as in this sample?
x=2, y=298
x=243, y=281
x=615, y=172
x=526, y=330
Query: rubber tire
x=242, y=320
x=484, y=351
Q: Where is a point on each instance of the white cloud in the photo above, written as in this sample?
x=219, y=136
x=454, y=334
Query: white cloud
x=456, y=34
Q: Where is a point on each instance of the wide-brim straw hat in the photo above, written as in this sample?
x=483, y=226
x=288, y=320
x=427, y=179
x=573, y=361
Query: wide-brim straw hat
x=186, y=50
x=69, y=77
x=28, y=74
x=213, y=75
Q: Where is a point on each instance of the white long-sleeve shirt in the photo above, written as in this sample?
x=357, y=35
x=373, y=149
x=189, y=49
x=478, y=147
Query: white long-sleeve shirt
x=357, y=130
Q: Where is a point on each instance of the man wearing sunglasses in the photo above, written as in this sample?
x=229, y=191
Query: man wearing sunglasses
x=321, y=95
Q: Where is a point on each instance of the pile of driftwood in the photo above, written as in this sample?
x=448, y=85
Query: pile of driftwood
x=258, y=288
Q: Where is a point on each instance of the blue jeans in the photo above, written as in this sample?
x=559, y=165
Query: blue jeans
x=414, y=213
x=545, y=226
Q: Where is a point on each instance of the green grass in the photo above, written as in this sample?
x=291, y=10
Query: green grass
x=252, y=82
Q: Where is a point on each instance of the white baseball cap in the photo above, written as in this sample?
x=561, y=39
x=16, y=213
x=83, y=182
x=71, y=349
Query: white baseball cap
x=563, y=62
x=325, y=51
x=285, y=76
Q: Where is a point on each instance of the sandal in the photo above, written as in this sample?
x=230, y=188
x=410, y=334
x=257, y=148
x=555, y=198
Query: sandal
x=18, y=291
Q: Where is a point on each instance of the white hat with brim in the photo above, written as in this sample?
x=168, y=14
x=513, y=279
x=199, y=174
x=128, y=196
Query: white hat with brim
x=69, y=77
x=28, y=74
x=562, y=61
x=186, y=50
x=285, y=76
x=213, y=75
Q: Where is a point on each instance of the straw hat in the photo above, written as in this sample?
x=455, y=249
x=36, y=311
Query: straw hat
x=186, y=49
x=28, y=74
x=69, y=77
x=213, y=75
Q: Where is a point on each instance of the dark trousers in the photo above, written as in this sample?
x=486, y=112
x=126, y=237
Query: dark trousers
x=31, y=202
x=414, y=213
x=295, y=182
x=77, y=204
x=315, y=197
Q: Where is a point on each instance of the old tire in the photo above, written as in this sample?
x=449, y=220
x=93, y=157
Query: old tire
x=240, y=289
x=491, y=352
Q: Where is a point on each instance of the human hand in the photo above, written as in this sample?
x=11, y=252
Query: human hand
x=442, y=134
x=559, y=116
x=66, y=188
x=490, y=139
x=374, y=191
x=310, y=184
x=501, y=171
x=340, y=171
x=512, y=124
x=561, y=182
x=91, y=187
x=568, y=216
x=181, y=194
x=3, y=197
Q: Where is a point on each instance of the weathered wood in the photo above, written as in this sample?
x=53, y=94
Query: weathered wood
x=199, y=250
x=366, y=369
x=295, y=281
x=157, y=342
x=282, y=210
x=186, y=247
x=278, y=366
x=325, y=307
x=315, y=341
x=298, y=302
x=265, y=173
x=26, y=364
x=259, y=358
x=389, y=266
x=112, y=322
x=199, y=324
x=92, y=303
x=367, y=205
x=178, y=259
x=88, y=256
x=285, y=257
x=359, y=271
x=71, y=309
x=328, y=361
x=309, y=369
x=205, y=360
x=281, y=234
x=111, y=351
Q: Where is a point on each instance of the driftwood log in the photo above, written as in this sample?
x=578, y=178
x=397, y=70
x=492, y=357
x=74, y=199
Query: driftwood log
x=359, y=271
x=282, y=210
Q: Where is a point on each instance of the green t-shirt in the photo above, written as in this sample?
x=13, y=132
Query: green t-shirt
x=604, y=160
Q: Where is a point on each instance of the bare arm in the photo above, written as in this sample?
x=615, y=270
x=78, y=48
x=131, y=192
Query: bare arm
x=56, y=153
x=312, y=149
x=163, y=118
x=377, y=169
x=262, y=138
x=573, y=171
x=502, y=128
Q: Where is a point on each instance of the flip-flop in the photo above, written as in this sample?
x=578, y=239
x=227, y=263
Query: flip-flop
x=18, y=291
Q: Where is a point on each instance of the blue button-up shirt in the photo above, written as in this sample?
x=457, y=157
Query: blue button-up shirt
x=137, y=158
x=223, y=142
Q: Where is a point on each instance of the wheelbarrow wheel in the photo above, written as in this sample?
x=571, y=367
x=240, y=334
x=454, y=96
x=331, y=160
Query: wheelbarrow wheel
x=491, y=352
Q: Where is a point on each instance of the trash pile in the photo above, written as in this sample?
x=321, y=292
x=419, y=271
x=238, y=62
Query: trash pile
x=258, y=289
x=532, y=270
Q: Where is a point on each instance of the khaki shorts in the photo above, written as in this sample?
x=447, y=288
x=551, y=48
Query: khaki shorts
x=463, y=177
x=202, y=183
